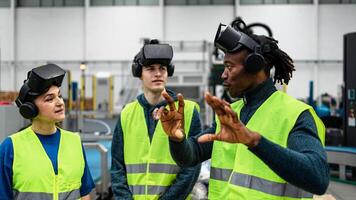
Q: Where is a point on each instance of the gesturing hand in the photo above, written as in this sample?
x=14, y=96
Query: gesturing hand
x=173, y=120
x=232, y=129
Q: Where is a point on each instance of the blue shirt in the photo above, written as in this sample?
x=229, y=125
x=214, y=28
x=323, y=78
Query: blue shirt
x=51, y=145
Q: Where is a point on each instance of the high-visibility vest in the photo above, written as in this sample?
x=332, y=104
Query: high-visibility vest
x=236, y=173
x=150, y=168
x=33, y=173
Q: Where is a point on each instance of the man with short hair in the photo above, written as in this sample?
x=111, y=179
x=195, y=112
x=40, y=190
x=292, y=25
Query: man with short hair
x=142, y=167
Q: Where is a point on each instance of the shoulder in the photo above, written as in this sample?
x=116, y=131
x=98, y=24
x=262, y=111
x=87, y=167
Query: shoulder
x=22, y=133
x=6, y=145
x=129, y=106
x=192, y=105
x=69, y=134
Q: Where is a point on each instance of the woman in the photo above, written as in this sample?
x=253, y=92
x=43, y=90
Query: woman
x=43, y=161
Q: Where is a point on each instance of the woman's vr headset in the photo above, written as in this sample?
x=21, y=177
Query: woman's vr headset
x=38, y=81
x=153, y=54
x=230, y=40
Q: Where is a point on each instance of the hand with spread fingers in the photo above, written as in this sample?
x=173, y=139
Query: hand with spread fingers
x=232, y=129
x=173, y=120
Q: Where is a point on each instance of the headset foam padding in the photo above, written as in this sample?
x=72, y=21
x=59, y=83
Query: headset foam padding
x=28, y=110
x=170, y=69
x=254, y=62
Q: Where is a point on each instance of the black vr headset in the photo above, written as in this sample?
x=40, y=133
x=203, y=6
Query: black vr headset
x=38, y=81
x=153, y=54
x=230, y=40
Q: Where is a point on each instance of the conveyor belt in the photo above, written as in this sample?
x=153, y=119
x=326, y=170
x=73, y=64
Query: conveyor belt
x=342, y=156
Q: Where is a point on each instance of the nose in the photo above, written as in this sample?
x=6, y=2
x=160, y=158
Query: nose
x=224, y=74
x=157, y=72
x=60, y=101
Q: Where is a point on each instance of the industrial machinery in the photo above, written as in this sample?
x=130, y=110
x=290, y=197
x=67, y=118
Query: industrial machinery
x=350, y=89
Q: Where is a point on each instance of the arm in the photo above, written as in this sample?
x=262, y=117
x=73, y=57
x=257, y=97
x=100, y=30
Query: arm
x=119, y=184
x=87, y=197
x=303, y=161
x=187, y=177
x=185, y=152
x=87, y=180
x=307, y=166
x=6, y=160
x=190, y=152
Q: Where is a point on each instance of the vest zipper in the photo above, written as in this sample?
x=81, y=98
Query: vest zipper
x=55, y=194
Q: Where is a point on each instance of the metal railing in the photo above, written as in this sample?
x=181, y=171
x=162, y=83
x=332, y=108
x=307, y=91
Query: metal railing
x=103, y=188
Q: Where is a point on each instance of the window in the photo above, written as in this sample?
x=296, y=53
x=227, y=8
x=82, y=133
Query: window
x=49, y=3
x=337, y=1
x=4, y=3
x=251, y=2
x=198, y=2
x=124, y=2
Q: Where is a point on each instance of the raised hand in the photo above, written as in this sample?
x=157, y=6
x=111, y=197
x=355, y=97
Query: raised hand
x=173, y=120
x=232, y=129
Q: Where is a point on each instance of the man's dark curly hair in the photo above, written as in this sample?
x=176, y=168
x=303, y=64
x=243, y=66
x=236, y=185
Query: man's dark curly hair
x=277, y=58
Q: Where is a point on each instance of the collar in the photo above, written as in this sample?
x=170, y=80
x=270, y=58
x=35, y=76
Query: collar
x=259, y=93
x=144, y=103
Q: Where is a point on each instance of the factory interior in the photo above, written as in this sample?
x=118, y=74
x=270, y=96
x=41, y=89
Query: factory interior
x=95, y=42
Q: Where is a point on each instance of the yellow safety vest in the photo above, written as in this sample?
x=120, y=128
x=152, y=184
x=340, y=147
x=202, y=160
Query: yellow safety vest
x=33, y=173
x=149, y=166
x=236, y=173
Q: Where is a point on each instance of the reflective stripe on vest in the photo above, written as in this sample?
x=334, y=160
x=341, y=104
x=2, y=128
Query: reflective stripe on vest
x=220, y=173
x=150, y=169
x=269, y=187
x=33, y=173
x=251, y=178
x=151, y=189
x=75, y=194
x=154, y=168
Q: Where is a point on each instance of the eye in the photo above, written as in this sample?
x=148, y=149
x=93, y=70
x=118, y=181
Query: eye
x=228, y=66
x=163, y=68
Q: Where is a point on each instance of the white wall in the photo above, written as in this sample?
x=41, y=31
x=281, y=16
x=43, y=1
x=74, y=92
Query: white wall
x=110, y=34
x=195, y=22
x=334, y=22
x=114, y=33
x=5, y=34
x=294, y=26
x=49, y=33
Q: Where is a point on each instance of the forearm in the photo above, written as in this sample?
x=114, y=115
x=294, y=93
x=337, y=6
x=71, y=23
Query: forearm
x=189, y=152
x=86, y=197
x=303, y=164
x=119, y=184
x=183, y=185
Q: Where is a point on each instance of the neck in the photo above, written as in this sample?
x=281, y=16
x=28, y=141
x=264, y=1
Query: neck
x=43, y=128
x=153, y=98
x=260, y=78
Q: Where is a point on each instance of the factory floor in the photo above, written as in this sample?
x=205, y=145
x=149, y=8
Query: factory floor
x=339, y=191
x=336, y=191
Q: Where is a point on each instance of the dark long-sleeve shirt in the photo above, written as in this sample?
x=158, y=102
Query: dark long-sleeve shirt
x=303, y=163
x=185, y=179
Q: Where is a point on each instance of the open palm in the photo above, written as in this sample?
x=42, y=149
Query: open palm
x=172, y=120
x=232, y=129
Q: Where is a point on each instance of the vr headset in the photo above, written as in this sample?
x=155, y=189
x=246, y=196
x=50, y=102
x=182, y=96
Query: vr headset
x=153, y=54
x=38, y=81
x=230, y=40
